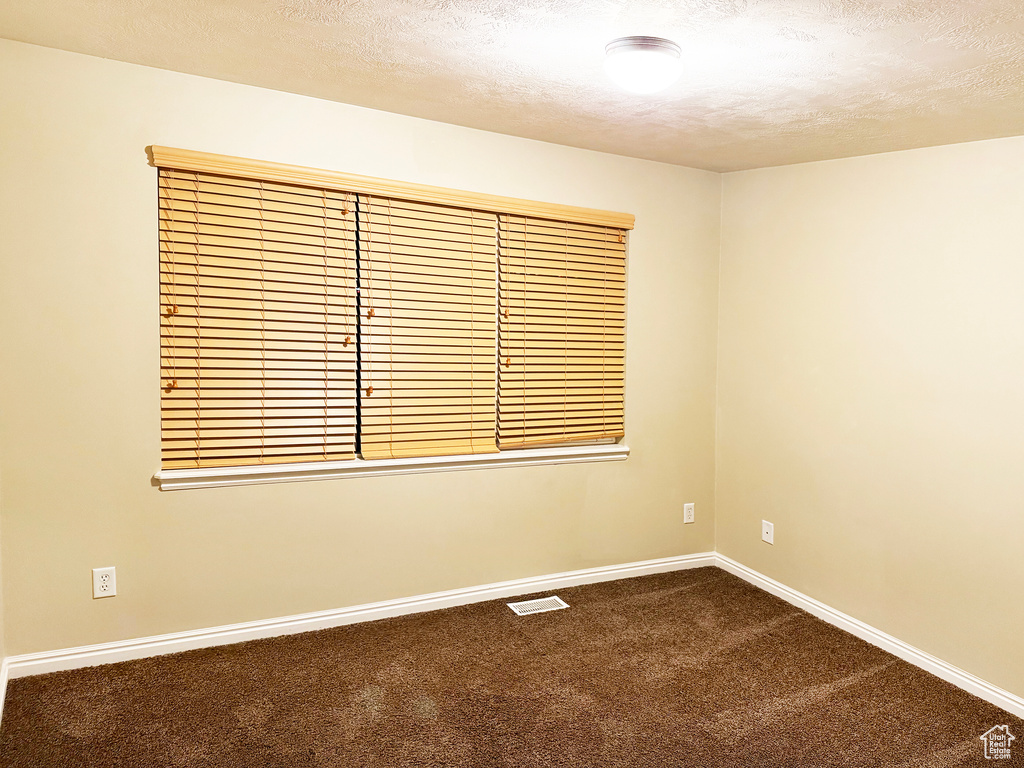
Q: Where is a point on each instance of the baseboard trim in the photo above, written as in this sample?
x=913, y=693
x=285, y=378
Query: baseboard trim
x=951, y=674
x=125, y=650
x=4, y=667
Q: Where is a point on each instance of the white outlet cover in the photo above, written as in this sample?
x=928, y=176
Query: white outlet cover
x=104, y=582
x=688, y=513
x=767, y=532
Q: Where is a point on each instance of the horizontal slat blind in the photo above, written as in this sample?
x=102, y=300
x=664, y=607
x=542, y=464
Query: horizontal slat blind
x=257, y=321
x=427, y=329
x=561, y=331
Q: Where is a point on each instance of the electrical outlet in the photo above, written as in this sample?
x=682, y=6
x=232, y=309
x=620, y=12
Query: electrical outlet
x=104, y=582
x=767, y=532
x=688, y=513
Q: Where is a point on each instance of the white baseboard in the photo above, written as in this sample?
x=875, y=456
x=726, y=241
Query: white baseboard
x=3, y=684
x=938, y=667
x=125, y=650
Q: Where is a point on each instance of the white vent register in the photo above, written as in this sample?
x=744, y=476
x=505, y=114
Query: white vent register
x=540, y=605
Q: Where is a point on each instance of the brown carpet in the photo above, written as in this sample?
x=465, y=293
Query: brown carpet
x=694, y=668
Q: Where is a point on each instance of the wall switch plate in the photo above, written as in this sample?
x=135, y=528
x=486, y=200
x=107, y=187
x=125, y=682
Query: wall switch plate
x=688, y=513
x=767, y=532
x=104, y=582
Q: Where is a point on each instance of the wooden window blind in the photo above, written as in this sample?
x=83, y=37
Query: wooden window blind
x=311, y=315
x=257, y=321
x=561, y=331
x=427, y=309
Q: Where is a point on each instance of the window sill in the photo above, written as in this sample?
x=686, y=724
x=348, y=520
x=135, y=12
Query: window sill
x=215, y=477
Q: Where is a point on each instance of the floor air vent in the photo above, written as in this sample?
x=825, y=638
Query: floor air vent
x=526, y=607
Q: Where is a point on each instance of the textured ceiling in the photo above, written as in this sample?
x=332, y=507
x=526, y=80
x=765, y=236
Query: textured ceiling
x=767, y=82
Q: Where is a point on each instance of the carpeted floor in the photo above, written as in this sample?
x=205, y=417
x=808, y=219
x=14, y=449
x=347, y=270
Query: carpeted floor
x=693, y=668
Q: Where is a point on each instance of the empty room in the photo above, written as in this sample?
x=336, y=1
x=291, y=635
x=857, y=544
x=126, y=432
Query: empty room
x=526, y=384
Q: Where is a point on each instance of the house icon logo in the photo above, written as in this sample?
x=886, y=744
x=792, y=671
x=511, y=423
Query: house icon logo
x=997, y=742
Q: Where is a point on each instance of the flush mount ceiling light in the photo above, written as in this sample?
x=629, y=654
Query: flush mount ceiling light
x=642, y=64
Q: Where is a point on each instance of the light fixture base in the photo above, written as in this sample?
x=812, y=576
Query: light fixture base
x=643, y=64
x=644, y=43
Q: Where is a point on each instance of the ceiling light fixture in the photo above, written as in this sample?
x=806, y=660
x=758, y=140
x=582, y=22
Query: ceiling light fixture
x=642, y=64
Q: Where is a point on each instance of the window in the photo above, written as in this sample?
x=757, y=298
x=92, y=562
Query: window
x=561, y=331
x=315, y=317
x=258, y=330
x=427, y=329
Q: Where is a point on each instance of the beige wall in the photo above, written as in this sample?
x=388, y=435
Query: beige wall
x=871, y=392
x=79, y=397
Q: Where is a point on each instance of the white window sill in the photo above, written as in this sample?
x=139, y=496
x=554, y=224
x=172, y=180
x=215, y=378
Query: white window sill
x=214, y=477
